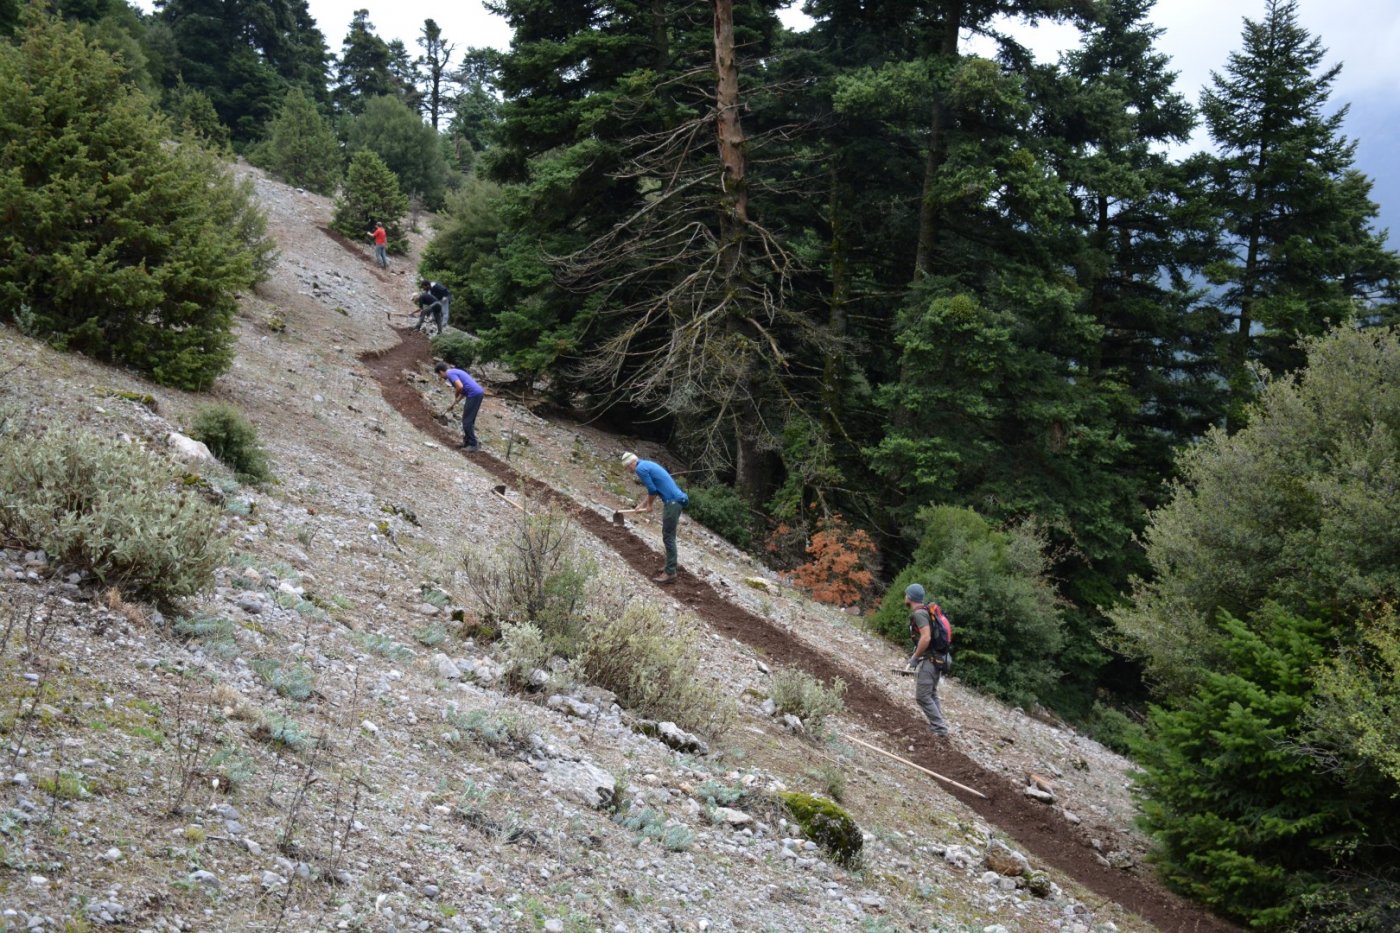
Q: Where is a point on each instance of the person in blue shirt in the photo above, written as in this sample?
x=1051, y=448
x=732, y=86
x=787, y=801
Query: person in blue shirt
x=660, y=485
x=471, y=394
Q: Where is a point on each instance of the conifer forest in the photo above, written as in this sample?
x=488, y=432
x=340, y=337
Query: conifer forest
x=904, y=306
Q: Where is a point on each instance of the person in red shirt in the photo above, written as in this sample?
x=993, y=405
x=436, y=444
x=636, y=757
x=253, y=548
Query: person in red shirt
x=381, y=245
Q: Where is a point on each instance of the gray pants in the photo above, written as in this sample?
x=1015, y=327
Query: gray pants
x=381, y=256
x=926, y=695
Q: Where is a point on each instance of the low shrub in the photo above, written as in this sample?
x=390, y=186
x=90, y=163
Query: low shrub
x=650, y=664
x=523, y=650
x=724, y=511
x=840, y=566
x=1114, y=729
x=232, y=438
x=500, y=734
x=805, y=697
x=538, y=575
x=110, y=507
x=294, y=682
x=456, y=348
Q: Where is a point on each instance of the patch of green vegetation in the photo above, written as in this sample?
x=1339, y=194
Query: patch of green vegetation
x=65, y=785
x=719, y=795
x=277, y=729
x=499, y=733
x=830, y=779
x=805, y=697
x=215, y=632
x=431, y=635
x=651, y=824
x=294, y=682
x=231, y=437
x=827, y=825
x=402, y=512
x=385, y=647
x=234, y=766
x=144, y=399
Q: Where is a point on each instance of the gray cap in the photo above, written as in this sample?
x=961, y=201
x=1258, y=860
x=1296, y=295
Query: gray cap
x=914, y=591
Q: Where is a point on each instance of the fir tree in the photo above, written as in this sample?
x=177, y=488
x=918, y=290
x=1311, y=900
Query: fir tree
x=364, y=69
x=1298, y=216
x=406, y=144
x=437, y=53
x=371, y=194
x=301, y=148
x=122, y=246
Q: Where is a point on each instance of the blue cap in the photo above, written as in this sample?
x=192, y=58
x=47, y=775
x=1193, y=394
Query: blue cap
x=914, y=591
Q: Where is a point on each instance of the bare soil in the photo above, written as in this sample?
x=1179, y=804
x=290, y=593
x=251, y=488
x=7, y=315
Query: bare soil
x=1034, y=826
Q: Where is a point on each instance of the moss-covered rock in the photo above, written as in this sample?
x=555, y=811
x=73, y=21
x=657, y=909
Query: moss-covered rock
x=827, y=825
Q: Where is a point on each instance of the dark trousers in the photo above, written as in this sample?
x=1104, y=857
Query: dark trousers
x=471, y=405
x=670, y=520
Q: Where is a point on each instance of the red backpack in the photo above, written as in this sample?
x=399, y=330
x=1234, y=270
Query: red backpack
x=940, y=644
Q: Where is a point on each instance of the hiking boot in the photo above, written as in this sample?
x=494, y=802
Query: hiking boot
x=664, y=577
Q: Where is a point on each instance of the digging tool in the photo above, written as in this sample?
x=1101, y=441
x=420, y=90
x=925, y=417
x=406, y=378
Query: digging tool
x=500, y=490
x=935, y=774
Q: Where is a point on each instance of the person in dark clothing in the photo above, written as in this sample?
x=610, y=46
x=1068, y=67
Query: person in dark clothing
x=471, y=394
x=433, y=304
x=926, y=658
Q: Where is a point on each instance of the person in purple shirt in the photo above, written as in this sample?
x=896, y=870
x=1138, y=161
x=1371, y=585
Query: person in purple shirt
x=660, y=485
x=466, y=388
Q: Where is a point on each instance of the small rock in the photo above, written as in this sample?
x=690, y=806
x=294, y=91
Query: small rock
x=188, y=449
x=251, y=603
x=573, y=706
x=1121, y=860
x=554, y=925
x=1005, y=860
x=207, y=878
x=731, y=817
x=1035, y=793
x=369, y=727
x=792, y=724
x=1072, y=818
x=768, y=707
x=112, y=855
x=446, y=668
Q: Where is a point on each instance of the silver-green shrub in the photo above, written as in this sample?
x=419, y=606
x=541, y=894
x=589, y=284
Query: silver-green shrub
x=653, y=667
x=802, y=695
x=110, y=507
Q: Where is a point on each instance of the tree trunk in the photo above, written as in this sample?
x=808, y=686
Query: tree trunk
x=749, y=463
x=929, y=214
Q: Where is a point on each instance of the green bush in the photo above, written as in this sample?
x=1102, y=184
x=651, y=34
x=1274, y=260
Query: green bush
x=110, y=507
x=295, y=682
x=722, y=510
x=122, y=245
x=456, y=348
x=537, y=575
x=807, y=698
x=1114, y=729
x=650, y=664
x=994, y=585
x=232, y=438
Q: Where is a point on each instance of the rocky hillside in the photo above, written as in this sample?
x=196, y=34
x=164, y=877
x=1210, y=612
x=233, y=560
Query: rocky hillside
x=326, y=741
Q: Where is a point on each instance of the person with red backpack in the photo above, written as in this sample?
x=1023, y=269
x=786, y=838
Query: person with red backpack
x=933, y=641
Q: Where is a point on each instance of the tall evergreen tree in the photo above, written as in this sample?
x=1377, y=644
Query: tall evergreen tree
x=405, y=72
x=437, y=53
x=365, y=66
x=371, y=194
x=301, y=148
x=245, y=54
x=120, y=245
x=1297, y=214
x=408, y=146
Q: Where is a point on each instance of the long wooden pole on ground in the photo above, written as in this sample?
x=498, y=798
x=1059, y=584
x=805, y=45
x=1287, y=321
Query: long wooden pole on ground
x=911, y=764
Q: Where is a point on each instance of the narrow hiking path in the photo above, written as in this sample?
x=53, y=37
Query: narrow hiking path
x=1034, y=826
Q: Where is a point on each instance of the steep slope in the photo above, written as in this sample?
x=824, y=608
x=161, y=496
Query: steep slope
x=177, y=781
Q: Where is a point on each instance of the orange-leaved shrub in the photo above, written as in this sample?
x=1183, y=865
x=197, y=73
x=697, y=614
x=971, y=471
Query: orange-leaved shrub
x=841, y=564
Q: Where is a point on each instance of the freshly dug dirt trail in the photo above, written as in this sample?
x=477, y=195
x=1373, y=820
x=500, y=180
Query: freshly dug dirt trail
x=1034, y=826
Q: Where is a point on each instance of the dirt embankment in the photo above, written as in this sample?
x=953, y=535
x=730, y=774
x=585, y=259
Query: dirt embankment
x=1030, y=823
